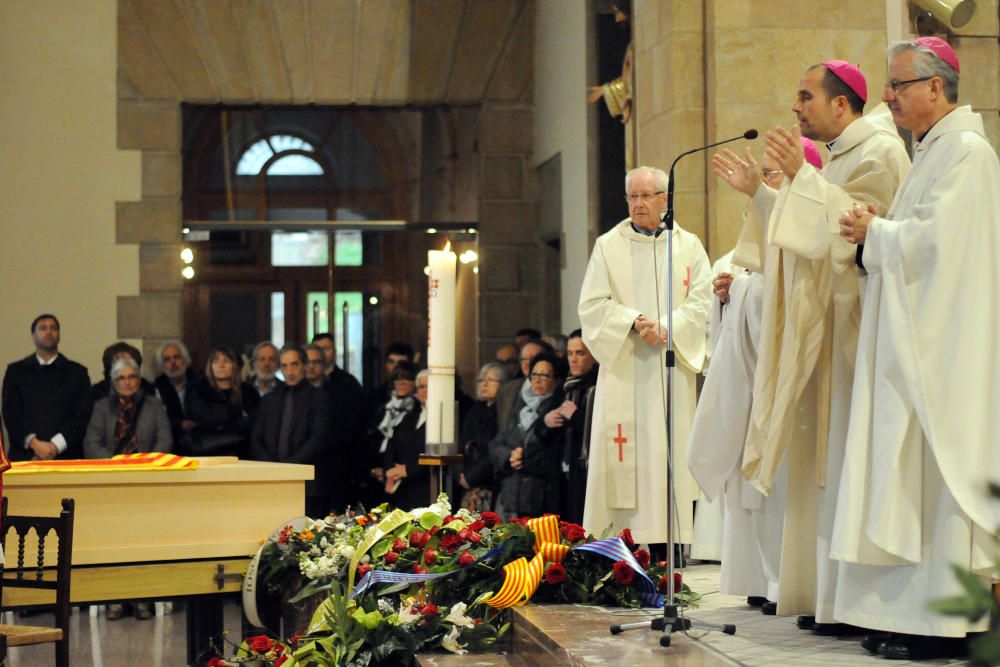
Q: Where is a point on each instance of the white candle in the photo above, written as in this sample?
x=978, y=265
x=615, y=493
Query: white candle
x=441, y=346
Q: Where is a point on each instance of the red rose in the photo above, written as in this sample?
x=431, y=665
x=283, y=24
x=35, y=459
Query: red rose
x=523, y=520
x=417, y=569
x=363, y=569
x=464, y=534
x=556, y=574
x=643, y=557
x=429, y=609
x=678, y=583
x=626, y=536
x=450, y=542
x=283, y=536
x=430, y=556
x=466, y=558
x=260, y=643
x=417, y=539
x=433, y=531
x=572, y=532
x=399, y=544
x=662, y=585
x=624, y=574
x=216, y=662
x=391, y=557
x=491, y=519
x=475, y=538
x=448, y=519
x=477, y=525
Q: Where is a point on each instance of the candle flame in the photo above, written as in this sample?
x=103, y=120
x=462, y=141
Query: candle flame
x=447, y=245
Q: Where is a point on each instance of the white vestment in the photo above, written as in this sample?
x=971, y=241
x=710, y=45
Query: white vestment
x=627, y=479
x=924, y=425
x=808, y=341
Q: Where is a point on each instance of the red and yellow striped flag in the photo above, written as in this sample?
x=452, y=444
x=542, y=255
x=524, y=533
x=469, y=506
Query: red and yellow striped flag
x=120, y=463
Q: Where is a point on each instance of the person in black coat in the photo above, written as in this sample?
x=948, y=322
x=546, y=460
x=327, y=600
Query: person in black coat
x=407, y=483
x=479, y=428
x=46, y=399
x=175, y=387
x=292, y=425
x=219, y=408
x=525, y=454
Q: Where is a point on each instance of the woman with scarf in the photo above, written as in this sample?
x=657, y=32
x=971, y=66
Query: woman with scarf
x=407, y=483
x=220, y=408
x=402, y=401
x=525, y=454
x=127, y=421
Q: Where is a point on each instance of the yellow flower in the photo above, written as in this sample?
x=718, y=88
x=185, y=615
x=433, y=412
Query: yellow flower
x=306, y=535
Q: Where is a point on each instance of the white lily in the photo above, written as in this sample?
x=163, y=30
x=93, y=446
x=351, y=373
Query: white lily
x=450, y=642
x=456, y=616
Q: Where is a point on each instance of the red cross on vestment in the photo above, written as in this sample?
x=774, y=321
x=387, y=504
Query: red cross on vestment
x=620, y=440
x=687, y=282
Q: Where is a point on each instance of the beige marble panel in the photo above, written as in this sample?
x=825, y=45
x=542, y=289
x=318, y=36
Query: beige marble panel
x=687, y=68
x=434, y=38
x=681, y=16
x=661, y=96
x=722, y=14
x=484, y=32
x=392, y=78
x=168, y=28
x=979, y=84
x=332, y=38
x=152, y=221
x=985, y=22
x=214, y=25
x=642, y=94
x=514, y=72
x=991, y=125
x=139, y=60
x=646, y=22
x=291, y=19
x=161, y=174
x=263, y=50
x=126, y=89
x=503, y=177
x=500, y=313
x=151, y=315
x=506, y=130
x=149, y=125
x=160, y=268
x=841, y=14
x=689, y=212
x=506, y=222
x=498, y=269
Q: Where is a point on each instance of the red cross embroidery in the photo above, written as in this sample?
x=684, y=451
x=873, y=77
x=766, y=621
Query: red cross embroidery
x=620, y=440
x=687, y=282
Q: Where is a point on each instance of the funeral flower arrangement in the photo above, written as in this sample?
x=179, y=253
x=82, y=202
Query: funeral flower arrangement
x=389, y=583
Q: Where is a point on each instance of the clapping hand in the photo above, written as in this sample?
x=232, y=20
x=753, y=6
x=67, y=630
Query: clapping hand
x=742, y=174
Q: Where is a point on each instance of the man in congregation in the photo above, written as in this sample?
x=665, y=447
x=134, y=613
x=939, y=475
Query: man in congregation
x=46, y=399
x=172, y=386
x=264, y=364
x=346, y=412
x=293, y=425
x=623, y=311
x=922, y=443
x=509, y=390
x=810, y=311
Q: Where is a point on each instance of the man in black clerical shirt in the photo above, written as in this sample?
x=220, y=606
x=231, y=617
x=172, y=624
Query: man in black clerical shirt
x=46, y=399
x=293, y=425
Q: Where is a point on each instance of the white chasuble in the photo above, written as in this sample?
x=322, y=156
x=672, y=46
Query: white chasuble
x=627, y=478
x=922, y=443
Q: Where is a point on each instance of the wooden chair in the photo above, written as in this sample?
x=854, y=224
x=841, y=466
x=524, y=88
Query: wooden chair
x=37, y=576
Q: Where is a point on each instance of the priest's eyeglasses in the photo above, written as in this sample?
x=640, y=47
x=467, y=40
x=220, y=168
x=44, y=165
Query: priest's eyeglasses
x=635, y=197
x=895, y=85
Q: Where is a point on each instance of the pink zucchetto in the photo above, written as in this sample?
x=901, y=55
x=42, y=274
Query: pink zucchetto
x=941, y=48
x=849, y=74
x=812, y=153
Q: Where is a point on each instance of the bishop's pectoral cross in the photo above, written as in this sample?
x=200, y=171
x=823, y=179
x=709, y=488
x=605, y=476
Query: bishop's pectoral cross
x=620, y=440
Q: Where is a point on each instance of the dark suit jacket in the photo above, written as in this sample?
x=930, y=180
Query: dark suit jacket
x=309, y=437
x=46, y=400
x=346, y=399
x=176, y=413
x=405, y=446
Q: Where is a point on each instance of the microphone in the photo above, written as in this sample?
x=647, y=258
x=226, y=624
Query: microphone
x=667, y=221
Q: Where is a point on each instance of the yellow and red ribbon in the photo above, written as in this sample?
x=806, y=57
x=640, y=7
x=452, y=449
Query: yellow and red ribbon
x=522, y=577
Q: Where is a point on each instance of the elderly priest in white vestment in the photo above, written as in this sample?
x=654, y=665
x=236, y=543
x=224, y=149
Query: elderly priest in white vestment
x=924, y=425
x=623, y=312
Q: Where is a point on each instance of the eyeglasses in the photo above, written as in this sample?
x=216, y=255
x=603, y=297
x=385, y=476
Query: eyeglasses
x=896, y=86
x=541, y=376
x=768, y=173
x=635, y=197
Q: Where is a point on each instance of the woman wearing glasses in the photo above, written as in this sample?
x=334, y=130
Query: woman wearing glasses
x=525, y=453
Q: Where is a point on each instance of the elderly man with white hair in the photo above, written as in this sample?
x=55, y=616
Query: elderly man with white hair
x=623, y=310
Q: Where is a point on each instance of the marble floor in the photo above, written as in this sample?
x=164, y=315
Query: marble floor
x=759, y=641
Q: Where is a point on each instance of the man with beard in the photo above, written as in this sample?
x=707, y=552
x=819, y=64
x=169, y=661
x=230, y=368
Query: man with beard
x=574, y=415
x=264, y=362
x=809, y=320
x=46, y=399
x=172, y=387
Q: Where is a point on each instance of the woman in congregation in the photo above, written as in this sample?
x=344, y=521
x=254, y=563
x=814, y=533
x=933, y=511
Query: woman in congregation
x=402, y=401
x=479, y=428
x=127, y=421
x=407, y=483
x=220, y=408
x=526, y=453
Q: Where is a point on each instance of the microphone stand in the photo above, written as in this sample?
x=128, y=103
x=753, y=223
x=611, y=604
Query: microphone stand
x=672, y=621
